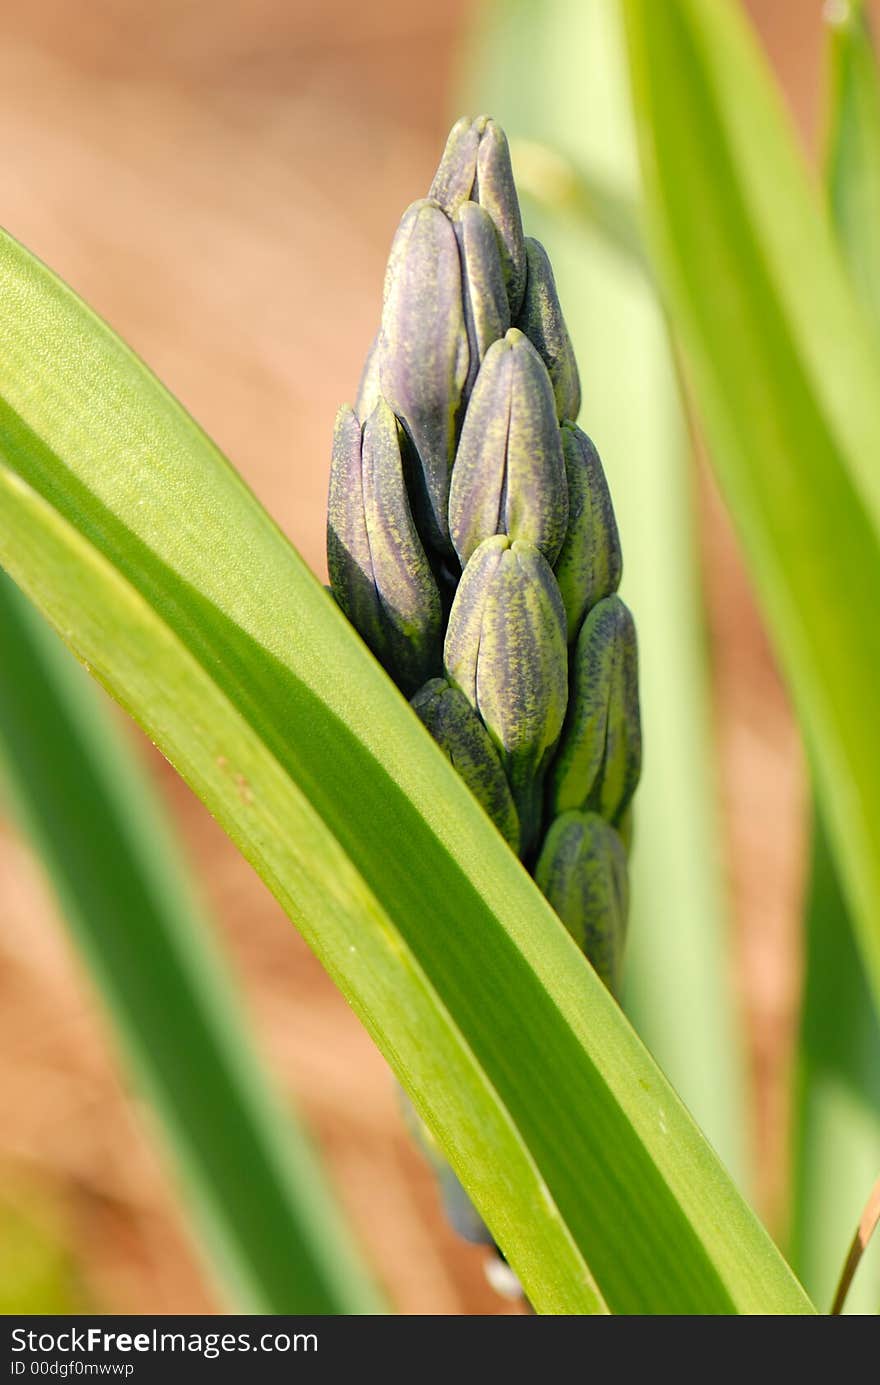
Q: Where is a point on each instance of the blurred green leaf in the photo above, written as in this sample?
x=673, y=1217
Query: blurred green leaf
x=837, y=1098
x=836, y=1137
x=562, y=188
x=785, y=373
x=157, y=565
x=583, y=175
x=272, y=1233
x=853, y=150
x=37, y=1273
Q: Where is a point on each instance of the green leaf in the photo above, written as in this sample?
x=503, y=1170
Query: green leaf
x=161, y=570
x=785, y=373
x=836, y=1132
x=37, y=1273
x=678, y=936
x=270, y=1228
x=853, y=150
x=573, y=191
x=837, y=1098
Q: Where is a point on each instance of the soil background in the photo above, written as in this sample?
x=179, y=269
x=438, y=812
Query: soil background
x=222, y=183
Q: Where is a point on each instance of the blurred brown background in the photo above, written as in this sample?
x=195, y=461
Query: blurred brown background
x=221, y=183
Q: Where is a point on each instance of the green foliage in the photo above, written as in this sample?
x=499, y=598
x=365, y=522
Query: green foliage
x=37, y=1273
x=853, y=150
x=160, y=569
x=785, y=374
x=266, y=1220
x=836, y=1132
x=837, y=1098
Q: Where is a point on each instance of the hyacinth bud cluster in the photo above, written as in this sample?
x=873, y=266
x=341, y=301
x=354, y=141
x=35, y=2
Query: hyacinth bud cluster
x=473, y=544
x=472, y=540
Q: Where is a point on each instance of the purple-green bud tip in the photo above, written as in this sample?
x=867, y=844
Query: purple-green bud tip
x=475, y=167
x=423, y=351
x=540, y=317
x=369, y=387
x=460, y=733
x=379, y=572
x=599, y=759
x=486, y=310
x=506, y=650
x=509, y=474
x=589, y=564
x=582, y=872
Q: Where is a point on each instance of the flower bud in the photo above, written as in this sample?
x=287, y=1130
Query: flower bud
x=457, y=171
x=541, y=319
x=589, y=564
x=460, y=733
x=476, y=167
x=582, y=872
x=625, y=827
x=460, y=1212
x=505, y=649
x=486, y=311
x=379, y=572
x=600, y=754
x=509, y=474
x=423, y=351
x=369, y=387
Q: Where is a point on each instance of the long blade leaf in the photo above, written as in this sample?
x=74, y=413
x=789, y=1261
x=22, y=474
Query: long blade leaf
x=158, y=566
x=786, y=373
x=272, y=1232
x=852, y=157
x=837, y=1096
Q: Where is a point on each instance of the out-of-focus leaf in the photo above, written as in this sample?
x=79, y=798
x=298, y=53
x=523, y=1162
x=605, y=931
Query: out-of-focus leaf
x=574, y=147
x=37, y=1274
x=837, y=1098
x=786, y=376
x=853, y=150
x=272, y=1233
x=561, y=187
x=836, y=1139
